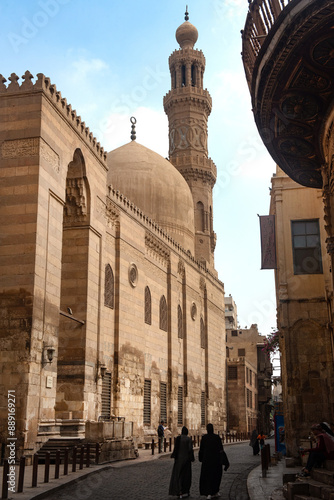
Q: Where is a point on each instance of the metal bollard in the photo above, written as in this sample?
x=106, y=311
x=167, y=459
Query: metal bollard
x=4, y=478
x=88, y=455
x=74, y=459
x=152, y=446
x=170, y=444
x=21, y=474
x=57, y=465
x=66, y=462
x=34, y=471
x=82, y=453
x=47, y=467
x=165, y=445
x=97, y=452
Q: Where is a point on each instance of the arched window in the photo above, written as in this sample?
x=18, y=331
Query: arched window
x=148, y=306
x=179, y=323
x=163, y=314
x=193, y=75
x=203, y=342
x=199, y=216
x=109, y=287
x=183, y=76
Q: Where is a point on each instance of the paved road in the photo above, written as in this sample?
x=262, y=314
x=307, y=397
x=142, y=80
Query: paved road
x=150, y=480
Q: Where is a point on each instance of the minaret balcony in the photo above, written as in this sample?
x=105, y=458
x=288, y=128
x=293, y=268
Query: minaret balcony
x=288, y=57
x=193, y=94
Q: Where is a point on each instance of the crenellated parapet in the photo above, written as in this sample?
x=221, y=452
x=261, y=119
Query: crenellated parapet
x=43, y=84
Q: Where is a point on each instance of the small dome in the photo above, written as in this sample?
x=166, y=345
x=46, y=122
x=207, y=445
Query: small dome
x=155, y=186
x=186, y=35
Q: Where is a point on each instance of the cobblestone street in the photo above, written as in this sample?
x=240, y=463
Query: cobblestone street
x=150, y=480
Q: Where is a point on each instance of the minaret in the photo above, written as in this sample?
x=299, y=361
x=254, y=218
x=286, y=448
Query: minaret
x=188, y=106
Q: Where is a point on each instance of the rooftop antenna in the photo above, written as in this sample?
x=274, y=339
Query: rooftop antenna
x=186, y=14
x=133, y=128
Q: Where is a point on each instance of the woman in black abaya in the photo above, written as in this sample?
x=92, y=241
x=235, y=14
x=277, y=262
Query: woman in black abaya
x=183, y=455
x=210, y=456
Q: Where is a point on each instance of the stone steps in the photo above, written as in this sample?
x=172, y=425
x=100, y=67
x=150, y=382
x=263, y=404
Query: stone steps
x=52, y=445
x=319, y=486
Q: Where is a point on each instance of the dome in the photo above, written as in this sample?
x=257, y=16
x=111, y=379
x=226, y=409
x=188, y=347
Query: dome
x=154, y=185
x=186, y=35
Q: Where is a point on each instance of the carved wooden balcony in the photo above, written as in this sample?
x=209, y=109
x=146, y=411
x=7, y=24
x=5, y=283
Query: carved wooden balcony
x=288, y=56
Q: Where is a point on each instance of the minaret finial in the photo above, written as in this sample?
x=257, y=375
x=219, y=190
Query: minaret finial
x=186, y=14
x=133, y=128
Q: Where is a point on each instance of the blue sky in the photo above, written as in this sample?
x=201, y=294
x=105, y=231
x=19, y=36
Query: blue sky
x=110, y=60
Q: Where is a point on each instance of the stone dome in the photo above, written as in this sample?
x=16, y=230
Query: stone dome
x=155, y=186
x=186, y=35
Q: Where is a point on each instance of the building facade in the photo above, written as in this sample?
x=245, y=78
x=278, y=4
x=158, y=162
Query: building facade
x=303, y=291
x=288, y=59
x=249, y=373
x=110, y=303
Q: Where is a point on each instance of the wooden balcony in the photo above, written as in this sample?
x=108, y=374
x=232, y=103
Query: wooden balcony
x=288, y=57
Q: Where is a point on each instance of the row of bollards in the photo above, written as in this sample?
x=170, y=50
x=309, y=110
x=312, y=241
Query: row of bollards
x=227, y=437
x=80, y=457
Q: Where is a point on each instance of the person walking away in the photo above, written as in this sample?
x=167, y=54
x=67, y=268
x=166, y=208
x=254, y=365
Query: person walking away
x=254, y=443
x=161, y=435
x=324, y=450
x=261, y=439
x=210, y=453
x=183, y=455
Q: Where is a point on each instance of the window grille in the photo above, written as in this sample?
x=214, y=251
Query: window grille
x=203, y=409
x=163, y=401
x=163, y=314
x=250, y=377
x=109, y=287
x=179, y=322
x=306, y=247
x=234, y=333
x=247, y=375
x=232, y=372
x=241, y=352
x=106, y=395
x=147, y=401
x=180, y=406
x=148, y=306
x=203, y=339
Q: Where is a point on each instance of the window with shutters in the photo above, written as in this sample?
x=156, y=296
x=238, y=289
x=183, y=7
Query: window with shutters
x=179, y=322
x=163, y=314
x=109, y=287
x=163, y=401
x=203, y=338
x=147, y=401
x=203, y=409
x=106, y=395
x=247, y=375
x=232, y=372
x=148, y=306
x=306, y=247
x=180, y=405
x=250, y=377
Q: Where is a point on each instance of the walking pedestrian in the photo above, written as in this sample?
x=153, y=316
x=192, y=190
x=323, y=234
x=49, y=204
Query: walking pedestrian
x=254, y=443
x=183, y=455
x=210, y=454
x=261, y=439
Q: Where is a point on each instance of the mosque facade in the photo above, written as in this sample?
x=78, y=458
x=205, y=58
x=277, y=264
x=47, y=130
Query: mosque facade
x=111, y=307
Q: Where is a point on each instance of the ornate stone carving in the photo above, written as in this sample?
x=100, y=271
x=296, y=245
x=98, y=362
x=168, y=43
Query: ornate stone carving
x=133, y=274
x=20, y=148
x=76, y=198
x=296, y=146
x=181, y=268
x=193, y=311
x=49, y=155
x=112, y=213
x=156, y=248
x=186, y=134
